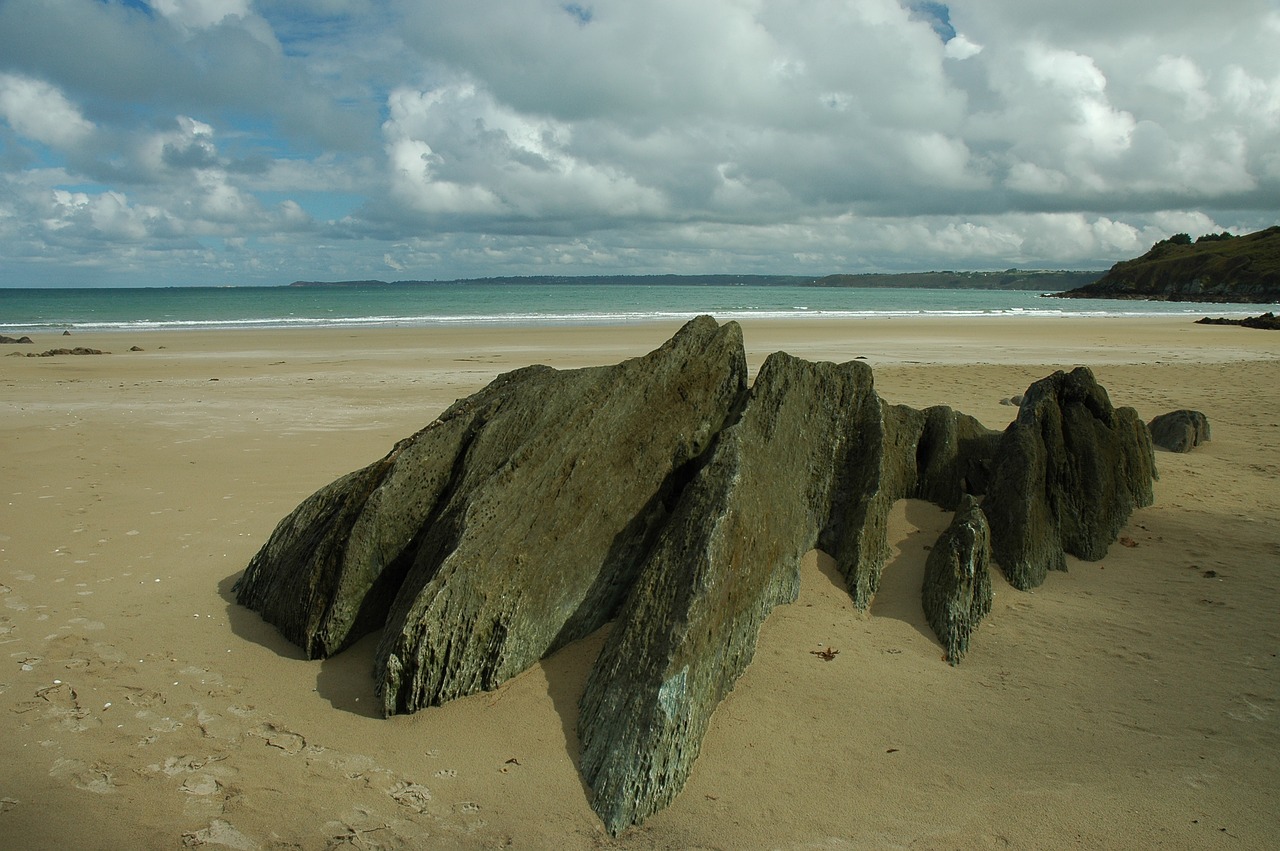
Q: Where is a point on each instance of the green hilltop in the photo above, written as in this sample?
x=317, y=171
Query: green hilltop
x=1214, y=268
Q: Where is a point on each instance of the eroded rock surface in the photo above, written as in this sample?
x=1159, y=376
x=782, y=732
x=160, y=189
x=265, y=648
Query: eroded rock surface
x=805, y=453
x=506, y=526
x=956, y=593
x=661, y=492
x=1069, y=470
x=1179, y=431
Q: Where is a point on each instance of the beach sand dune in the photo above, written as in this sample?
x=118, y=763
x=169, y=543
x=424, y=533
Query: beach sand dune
x=1130, y=702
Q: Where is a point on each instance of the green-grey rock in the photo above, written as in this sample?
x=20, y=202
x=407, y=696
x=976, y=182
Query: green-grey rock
x=331, y=568
x=956, y=593
x=661, y=492
x=538, y=490
x=803, y=461
x=555, y=502
x=1069, y=471
x=1179, y=431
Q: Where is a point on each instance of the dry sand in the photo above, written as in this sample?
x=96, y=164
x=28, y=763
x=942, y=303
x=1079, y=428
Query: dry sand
x=1127, y=703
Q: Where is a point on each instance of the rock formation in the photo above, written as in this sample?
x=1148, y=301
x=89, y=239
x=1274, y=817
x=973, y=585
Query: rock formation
x=803, y=462
x=1179, y=431
x=957, y=581
x=662, y=493
x=1069, y=471
x=510, y=526
x=78, y=350
x=1267, y=321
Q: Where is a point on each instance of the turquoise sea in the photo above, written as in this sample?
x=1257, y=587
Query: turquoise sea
x=35, y=310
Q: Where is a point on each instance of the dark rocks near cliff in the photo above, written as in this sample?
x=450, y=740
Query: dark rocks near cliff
x=1179, y=431
x=78, y=350
x=663, y=494
x=1267, y=321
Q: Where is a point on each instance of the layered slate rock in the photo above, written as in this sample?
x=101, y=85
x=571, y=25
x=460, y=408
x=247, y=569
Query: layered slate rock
x=1179, y=431
x=555, y=503
x=956, y=592
x=953, y=454
x=803, y=463
x=508, y=526
x=660, y=492
x=1069, y=470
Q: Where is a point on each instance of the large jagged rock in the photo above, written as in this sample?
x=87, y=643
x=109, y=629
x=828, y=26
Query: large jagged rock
x=956, y=593
x=555, y=504
x=803, y=462
x=1069, y=470
x=509, y=526
x=1179, y=431
x=663, y=493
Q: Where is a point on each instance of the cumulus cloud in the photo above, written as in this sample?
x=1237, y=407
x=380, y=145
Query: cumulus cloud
x=201, y=13
x=436, y=138
x=454, y=149
x=39, y=111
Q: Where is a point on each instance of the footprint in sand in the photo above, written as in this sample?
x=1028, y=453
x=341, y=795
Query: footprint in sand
x=278, y=737
x=63, y=705
x=219, y=832
x=92, y=778
x=160, y=725
x=215, y=726
x=142, y=698
x=411, y=795
x=175, y=765
x=201, y=784
x=445, y=773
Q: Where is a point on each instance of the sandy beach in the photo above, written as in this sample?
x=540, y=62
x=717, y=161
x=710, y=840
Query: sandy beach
x=1127, y=703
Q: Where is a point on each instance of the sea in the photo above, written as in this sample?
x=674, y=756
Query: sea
x=26, y=311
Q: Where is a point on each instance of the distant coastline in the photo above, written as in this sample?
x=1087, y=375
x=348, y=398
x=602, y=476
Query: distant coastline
x=1010, y=279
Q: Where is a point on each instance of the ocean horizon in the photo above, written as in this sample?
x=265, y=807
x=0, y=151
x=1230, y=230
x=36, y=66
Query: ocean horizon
x=27, y=311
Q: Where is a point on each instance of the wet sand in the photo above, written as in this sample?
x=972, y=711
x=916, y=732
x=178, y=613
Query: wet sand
x=1127, y=703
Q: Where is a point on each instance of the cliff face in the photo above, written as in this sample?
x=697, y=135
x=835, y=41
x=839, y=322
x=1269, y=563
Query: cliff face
x=1242, y=269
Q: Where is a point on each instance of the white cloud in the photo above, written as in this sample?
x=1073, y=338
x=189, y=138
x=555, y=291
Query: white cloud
x=1064, y=70
x=41, y=112
x=762, y=135
x=1182, y=78
x=455, y=150
x=101, y=216
x=201, y=13
x=961, y=47
x=1253, y=96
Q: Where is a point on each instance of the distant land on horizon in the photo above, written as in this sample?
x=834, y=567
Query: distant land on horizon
x=1220, y=268
x=1010, y=279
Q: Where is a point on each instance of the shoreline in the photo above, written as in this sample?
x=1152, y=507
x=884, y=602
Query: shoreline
x=1057, y=341
x=501, y=323
x=1124, y=702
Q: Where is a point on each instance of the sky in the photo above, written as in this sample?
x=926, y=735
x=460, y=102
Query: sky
x=216, y=142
